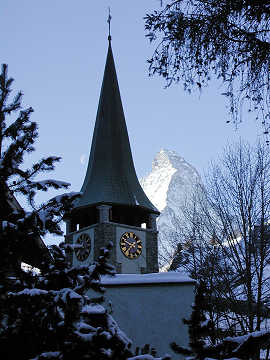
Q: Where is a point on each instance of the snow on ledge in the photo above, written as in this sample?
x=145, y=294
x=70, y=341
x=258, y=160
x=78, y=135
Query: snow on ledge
x=153, y=278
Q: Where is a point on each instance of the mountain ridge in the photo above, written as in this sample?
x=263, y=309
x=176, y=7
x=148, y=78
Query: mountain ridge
x=169, y=186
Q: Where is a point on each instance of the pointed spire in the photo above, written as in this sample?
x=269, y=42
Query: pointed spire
x=111, y=176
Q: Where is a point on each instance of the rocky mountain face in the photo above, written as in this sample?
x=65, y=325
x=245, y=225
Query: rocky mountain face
x=170, y=186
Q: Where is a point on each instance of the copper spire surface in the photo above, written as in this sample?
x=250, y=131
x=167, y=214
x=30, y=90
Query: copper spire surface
x=111, y=176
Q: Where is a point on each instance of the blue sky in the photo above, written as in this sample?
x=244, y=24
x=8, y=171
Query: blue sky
x=56, y=52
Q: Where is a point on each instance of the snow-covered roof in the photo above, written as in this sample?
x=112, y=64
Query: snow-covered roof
x=153, y=278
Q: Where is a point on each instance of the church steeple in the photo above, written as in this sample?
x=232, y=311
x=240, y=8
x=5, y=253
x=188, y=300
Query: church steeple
x=111, y=176
x=113, y=207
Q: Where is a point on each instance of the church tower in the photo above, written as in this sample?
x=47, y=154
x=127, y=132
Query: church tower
x=113, y=206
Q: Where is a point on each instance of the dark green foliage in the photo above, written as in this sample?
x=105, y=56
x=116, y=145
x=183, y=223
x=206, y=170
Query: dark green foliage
x=245, y=347
x=224, y=39
x=20, y=229
x=199, y=328
x=55, y=317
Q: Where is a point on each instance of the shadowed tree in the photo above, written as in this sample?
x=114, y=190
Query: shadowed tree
x=20, y=228
x=200, y=40
x=226, y=240
x=51, y=315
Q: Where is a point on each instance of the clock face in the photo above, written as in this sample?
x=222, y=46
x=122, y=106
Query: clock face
x=83, y=248
x=130, y=245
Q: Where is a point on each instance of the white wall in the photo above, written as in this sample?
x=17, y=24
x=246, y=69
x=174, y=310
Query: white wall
x=149, y=308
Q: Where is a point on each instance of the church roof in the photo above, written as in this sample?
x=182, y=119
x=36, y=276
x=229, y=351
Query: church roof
x=111, y=176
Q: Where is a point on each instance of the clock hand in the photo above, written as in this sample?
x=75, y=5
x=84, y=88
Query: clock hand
x=131, y=244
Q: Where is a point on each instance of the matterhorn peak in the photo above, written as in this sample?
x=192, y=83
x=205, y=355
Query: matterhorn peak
x=164, y=158
x=168, y=168
x=170, y=186
x=169, y=158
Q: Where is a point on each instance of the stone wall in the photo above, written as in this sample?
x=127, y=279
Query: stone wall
x=152, y=251
x=104, y=233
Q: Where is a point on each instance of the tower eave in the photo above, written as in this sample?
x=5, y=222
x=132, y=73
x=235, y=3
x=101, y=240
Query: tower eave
x=135, y=206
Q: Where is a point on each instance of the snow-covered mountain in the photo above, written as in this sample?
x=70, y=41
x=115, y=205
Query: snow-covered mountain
x=169, y=186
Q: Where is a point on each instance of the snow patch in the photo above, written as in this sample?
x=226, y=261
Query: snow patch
x=93, y=309
x=154, y=278
x=30, y=292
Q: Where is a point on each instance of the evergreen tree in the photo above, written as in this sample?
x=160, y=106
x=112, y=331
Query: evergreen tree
x=199, y=328
x=198, y=41
x=202, y=335
x=19, y=227
x=245, y=347
x=55, y=318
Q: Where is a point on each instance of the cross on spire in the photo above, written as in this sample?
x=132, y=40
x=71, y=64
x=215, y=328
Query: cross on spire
x=109, y=22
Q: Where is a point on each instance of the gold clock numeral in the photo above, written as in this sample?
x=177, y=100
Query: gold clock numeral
x=131, y=245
